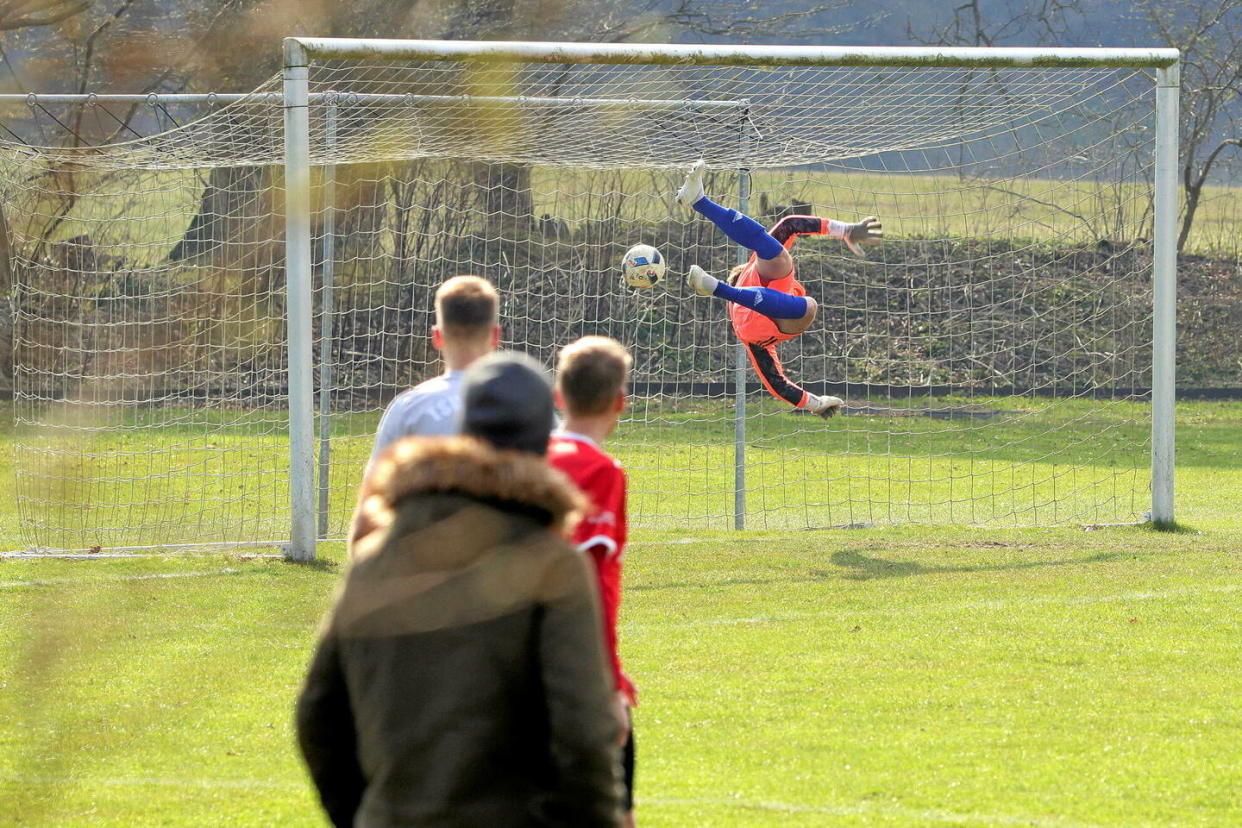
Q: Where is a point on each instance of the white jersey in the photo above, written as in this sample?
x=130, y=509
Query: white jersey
x=429, y=409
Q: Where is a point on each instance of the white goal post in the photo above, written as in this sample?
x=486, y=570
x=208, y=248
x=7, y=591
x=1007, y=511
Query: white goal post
x=302, y=53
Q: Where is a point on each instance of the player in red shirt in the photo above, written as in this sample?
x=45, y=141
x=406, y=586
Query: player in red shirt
x=768, y=303
x=592, y=374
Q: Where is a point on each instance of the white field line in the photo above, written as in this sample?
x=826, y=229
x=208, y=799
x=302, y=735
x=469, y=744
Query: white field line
x=918, y=816
x=183, y=550
x=147, y=781
x=121, y=552
x=962, y=606
x=923, y=816
x=684, y=541
x=114, y=579
x=105, y=556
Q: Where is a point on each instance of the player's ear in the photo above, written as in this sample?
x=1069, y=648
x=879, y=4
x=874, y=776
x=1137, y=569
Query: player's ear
x=437, y=338
x=557, y=399
x=495, y=337
x=620, y=404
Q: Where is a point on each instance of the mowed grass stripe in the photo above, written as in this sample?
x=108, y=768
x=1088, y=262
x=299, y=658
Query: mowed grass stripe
x=1076, y=462
x=967, y=606
x=1063, y=461
x=872, y=809
x=87, y=580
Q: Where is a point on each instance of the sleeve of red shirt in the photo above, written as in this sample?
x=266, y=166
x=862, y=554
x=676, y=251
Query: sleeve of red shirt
x=602, y=534
x=604, y=526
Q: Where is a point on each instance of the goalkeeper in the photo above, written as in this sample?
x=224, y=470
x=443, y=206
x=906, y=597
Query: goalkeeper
x=768, y=303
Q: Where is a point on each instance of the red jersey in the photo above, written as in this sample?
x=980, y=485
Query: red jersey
x=601, y=534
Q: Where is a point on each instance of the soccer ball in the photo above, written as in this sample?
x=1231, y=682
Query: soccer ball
x=643, y=266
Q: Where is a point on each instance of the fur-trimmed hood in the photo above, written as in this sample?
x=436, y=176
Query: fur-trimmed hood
x=468, y=466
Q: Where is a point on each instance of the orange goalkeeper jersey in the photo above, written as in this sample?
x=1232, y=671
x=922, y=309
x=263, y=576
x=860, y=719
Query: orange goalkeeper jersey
x=752, y=327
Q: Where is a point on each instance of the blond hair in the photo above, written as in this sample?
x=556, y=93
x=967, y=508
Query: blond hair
x=467, y=307
x=591, y=372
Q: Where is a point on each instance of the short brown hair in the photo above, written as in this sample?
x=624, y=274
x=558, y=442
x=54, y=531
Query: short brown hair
x=466, y=306
x=591, y=372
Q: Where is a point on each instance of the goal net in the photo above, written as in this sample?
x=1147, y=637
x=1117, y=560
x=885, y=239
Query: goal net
x=995, y=353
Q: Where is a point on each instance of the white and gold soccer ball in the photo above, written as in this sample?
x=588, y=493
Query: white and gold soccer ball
x=642, y=266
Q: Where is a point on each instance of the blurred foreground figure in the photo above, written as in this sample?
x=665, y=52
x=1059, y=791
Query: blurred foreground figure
x=461, y=677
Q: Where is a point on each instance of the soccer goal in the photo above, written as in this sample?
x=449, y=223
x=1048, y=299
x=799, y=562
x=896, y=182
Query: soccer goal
x=259, y=282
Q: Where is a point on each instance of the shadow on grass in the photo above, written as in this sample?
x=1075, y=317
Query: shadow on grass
x=866, y=568
x=316, y=565
x=723, y=582
x=861, y=567
x=1171, y=527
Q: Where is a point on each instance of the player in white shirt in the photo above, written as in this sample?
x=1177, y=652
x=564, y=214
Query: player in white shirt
x=467, y=327
x=430, y=409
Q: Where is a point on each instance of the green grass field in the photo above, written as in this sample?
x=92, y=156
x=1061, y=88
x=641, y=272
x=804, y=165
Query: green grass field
x=897, y=676
x=1019, y=461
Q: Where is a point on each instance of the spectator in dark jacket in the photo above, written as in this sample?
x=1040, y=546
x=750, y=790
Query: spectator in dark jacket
x=461, y=679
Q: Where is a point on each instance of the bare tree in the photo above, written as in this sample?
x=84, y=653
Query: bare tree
x=244, y=49
x=1209, y=35
x=17, y=15
x=234, y=44
x=1035, y=22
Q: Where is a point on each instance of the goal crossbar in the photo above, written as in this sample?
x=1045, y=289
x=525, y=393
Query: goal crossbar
x=330, y=97
x=297, y=49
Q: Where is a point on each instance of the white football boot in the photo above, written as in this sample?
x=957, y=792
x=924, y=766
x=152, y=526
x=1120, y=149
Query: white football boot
x=692, y=190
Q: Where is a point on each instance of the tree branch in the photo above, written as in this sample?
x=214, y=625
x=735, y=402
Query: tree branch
x=1206, y=169
x=22, y=14
x=90, y=42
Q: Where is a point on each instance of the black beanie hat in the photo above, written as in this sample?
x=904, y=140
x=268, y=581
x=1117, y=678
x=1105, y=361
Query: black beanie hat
x=508, y=402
